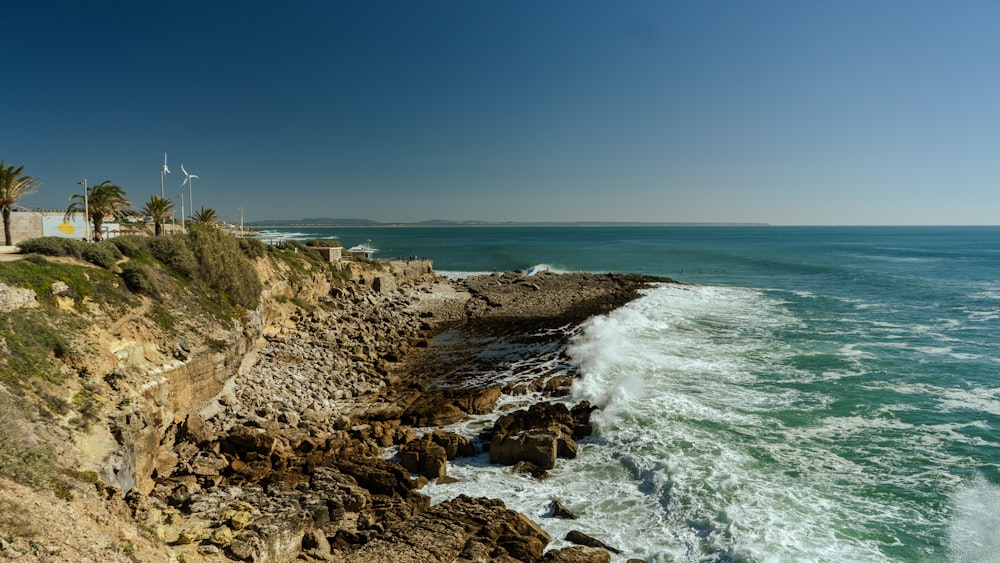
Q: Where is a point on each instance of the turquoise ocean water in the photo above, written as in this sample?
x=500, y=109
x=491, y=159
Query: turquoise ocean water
x=818, y=394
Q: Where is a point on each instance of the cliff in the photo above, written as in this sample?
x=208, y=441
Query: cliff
x=186, y=430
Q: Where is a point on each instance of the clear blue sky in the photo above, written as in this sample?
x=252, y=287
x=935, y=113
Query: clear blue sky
x=799, y=112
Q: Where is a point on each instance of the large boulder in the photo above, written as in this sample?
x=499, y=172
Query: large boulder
x=423, y=455
x=538, y=435
x=577, y=554
x=463, y=528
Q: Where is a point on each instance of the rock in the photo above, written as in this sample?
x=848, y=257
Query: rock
x=537, y=447
x=425, y=456
x=379, y=476
x=462, y=525
x=182, y=349
x=240, y=519
x=538, y=435
x=221, y=536
x=431, y=412
x=193, y=534
x=577, y=554
x=12, y=298
x=580, y=538
x=530, y=468
x=560, y=511
x=316, y=544
x=195, y=430
x=384, y=284
x=455, y=445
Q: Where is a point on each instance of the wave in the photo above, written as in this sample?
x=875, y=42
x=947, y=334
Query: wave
x=271, y=236
x=545, y=268
x=728, y=409
x=972, y=532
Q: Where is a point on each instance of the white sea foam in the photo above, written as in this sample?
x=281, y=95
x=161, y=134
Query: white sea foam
x=972, y=531
x=712, y=444
x=545, y=268
x=458, y=275
x=272, y=237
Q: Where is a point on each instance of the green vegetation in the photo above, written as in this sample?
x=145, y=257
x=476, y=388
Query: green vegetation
x=253, y=248
x=162, y=317
x=102, y=200
x=205, y=276
x=158, y=209
x=38, y=274
x=325, y=242
x=174, y=251
x=103, y=254
x=53, y=246
x=224, y=267
x=138, y=280
x=32, y=345
x=133, y=246
x=205, y=216
x=14, y=185
x=26, y=464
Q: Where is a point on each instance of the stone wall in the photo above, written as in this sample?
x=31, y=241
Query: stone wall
x=25, y=225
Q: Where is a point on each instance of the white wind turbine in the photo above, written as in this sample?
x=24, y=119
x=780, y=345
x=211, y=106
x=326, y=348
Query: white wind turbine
x=163, y=170
x=189, y=180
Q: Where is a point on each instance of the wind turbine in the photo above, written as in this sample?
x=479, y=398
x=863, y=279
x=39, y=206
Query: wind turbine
x=163, y=170
x=189, y=180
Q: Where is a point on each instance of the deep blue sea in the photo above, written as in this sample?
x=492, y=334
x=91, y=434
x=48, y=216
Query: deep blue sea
x=817, y=394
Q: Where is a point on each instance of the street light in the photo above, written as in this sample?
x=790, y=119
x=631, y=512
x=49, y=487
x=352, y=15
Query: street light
x=183, y=229
x=86, y=212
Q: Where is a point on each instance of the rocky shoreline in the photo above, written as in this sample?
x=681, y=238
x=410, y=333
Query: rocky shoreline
x=289, y=462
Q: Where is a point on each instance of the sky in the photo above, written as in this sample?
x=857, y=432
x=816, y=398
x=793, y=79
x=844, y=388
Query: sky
x=798, y=112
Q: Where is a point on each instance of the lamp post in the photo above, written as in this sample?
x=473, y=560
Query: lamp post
x=86, y=211
x=241, y=221
x=183, y=228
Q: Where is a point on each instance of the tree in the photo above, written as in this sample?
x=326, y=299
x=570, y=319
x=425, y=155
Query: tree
x=206, y=216
x=103, y=200
x=158, y=208
x=13, y=186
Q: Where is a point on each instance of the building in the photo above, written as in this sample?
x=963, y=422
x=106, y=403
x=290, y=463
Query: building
x=329, y=253
x=26, y=223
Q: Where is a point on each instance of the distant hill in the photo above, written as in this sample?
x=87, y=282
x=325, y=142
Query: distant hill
x=312, y=221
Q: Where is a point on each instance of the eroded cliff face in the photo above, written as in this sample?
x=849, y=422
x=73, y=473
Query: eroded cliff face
x=165, y=391
x=260, y=439
x=146, y=380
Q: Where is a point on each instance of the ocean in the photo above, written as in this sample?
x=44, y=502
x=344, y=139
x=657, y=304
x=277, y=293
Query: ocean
x=815, y=394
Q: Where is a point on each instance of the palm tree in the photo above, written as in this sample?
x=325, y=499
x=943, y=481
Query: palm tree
x=13, y=186
x=206, y=216
x=104, y=199
x=158, y=208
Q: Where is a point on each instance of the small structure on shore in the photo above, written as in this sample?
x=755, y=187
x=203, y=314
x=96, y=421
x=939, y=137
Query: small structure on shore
x=362, y=250
x=330, y=253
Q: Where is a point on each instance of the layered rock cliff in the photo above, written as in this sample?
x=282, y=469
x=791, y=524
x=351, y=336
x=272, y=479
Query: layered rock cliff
x=259, y=437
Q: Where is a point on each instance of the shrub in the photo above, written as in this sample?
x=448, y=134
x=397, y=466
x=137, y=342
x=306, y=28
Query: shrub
x=103, y=254
x=324, y=242
x=132, y=245
x=299, y=248
x=224, y=267
x=253, y=248
x=53, y=246
x=175, y=253
x=137, y=279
